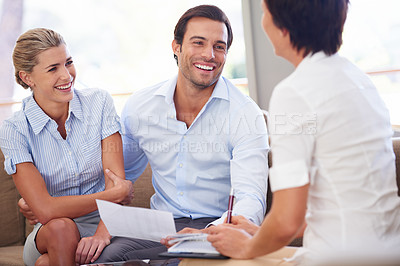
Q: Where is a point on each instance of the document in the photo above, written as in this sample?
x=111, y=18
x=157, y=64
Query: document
x=195, y=243
x=153, y=225
x=192, y=246
x=136, y=222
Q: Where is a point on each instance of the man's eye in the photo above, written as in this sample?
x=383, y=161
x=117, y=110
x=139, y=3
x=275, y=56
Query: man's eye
x=220, y=47
x=52, y=69
x=70, y=62
x=198, y=43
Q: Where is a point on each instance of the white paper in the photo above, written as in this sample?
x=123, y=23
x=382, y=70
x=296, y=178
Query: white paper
x=190, y=236
x=136, y=222
x=193, y=245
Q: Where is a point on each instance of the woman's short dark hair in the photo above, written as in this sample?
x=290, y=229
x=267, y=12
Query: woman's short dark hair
x=313, y=25
x=205, y=11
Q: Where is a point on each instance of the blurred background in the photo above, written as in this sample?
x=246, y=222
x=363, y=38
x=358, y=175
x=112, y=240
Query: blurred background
x=125, y=45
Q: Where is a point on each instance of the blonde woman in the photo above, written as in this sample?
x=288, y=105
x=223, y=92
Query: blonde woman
x=57, y=149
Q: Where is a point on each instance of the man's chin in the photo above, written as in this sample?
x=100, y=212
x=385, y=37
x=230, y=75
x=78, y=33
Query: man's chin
x=202, y=85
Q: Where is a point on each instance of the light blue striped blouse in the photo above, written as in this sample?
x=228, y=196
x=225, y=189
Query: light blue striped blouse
x=69, y=167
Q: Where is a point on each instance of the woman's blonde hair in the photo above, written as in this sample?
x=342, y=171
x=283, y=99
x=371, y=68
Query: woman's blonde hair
x=29, y=45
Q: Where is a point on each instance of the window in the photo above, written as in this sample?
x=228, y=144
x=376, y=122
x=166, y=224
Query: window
x=125, y=45
x=371, y=40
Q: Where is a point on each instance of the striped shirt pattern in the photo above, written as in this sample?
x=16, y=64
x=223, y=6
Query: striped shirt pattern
x=69, y=167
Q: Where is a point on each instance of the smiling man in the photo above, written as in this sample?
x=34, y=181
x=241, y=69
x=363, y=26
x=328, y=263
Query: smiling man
x=199, y=133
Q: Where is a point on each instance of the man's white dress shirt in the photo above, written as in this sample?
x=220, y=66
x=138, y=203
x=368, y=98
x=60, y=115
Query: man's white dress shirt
x=194, y=168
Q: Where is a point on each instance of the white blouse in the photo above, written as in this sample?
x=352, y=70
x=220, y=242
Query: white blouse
x=330, y=129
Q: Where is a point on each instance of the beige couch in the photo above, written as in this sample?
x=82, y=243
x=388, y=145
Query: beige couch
x=13, y=228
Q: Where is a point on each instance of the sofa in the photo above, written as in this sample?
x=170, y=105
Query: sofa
x=14, y=228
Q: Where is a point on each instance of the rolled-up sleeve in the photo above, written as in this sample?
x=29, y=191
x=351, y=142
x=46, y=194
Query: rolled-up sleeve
x=292, y=125
x=110, y=121
x=289, y=175
x=14, y=147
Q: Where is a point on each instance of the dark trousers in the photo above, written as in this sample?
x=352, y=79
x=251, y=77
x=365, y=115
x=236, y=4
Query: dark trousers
x=123, y=248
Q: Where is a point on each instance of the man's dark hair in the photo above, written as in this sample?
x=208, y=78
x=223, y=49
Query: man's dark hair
x=205, y=11
x=313, y=25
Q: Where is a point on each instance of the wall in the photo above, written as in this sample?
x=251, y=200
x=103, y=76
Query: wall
x=264, y=68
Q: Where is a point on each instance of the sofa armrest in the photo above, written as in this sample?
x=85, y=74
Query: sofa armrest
x=12, y=222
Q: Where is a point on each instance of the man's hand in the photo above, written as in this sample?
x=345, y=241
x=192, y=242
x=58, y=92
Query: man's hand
x=90, y=248
x=186, y=230
x=123, y=187
x=27, y=212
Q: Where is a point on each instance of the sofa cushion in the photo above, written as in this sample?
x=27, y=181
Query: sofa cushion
x=143, y=189
x=12, y=222
x=11, y=256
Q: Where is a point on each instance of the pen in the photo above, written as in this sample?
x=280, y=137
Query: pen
x=230, y=207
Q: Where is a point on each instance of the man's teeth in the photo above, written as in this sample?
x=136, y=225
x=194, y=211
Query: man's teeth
x=63, y=87
x=204, y=67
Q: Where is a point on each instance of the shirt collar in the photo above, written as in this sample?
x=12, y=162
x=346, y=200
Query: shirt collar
x=38, y=118
x=35, y=115
x=313, y=58
x=221, y=89
x=75, y=107
x=168, y=89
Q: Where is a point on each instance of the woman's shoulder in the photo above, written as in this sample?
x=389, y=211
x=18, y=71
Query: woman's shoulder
x=18, y=119
x=16, y=123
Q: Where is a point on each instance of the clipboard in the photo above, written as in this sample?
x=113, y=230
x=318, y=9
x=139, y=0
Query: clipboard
x=194, y=255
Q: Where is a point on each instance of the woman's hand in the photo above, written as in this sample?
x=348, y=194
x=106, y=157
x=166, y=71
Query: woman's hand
x=123, y=188
x=27, y=212
x=90, y=248
x=229, y=240
x=241, y=222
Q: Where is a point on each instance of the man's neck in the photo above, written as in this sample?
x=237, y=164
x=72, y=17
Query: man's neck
x=189, y=101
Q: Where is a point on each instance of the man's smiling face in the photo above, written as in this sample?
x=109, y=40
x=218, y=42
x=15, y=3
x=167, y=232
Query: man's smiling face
x=202, y=54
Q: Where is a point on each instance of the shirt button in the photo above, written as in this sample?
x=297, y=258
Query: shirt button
x=180, y=193
x=76, y=174
x=171, y=116
x=184, y=137
x=70, y=153
x=180, y=165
